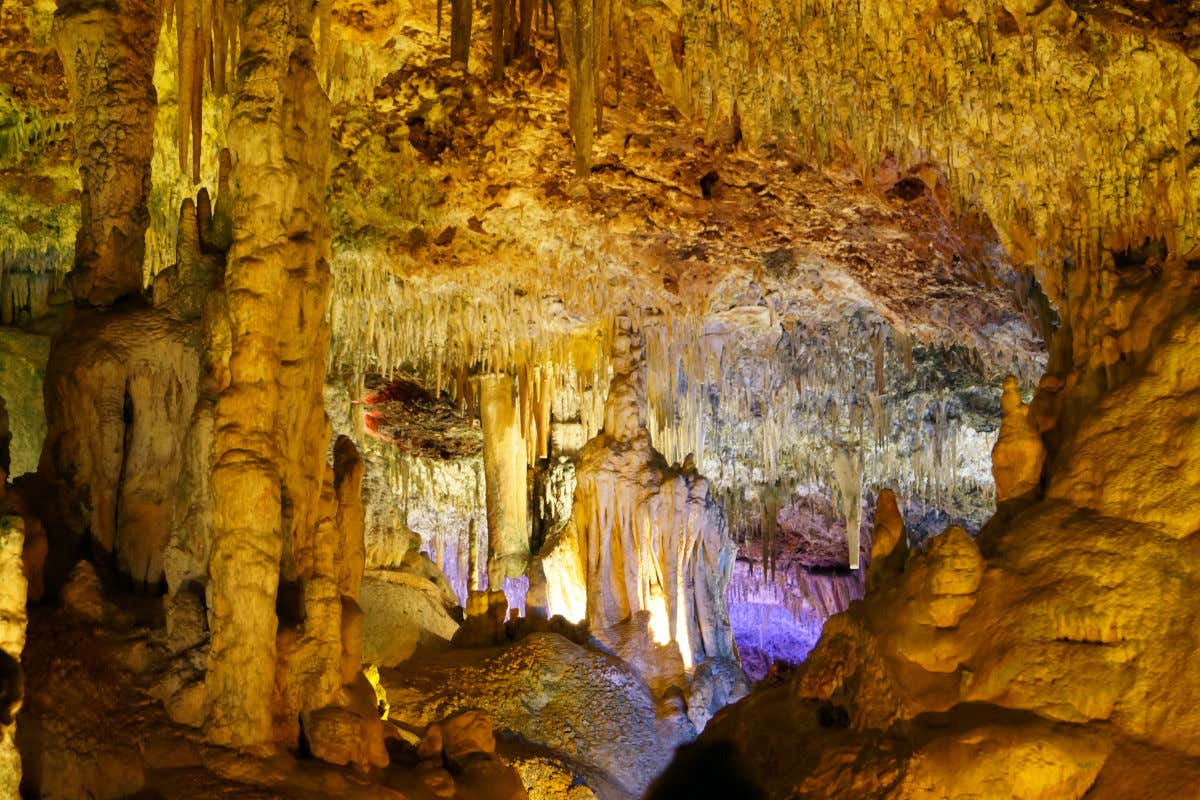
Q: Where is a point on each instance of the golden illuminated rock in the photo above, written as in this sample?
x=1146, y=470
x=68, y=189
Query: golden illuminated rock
x=1019, y=453
x=889, y=542
x=1136, y=455
x=115, y=441
x=108, y=54
x=832, y=222
x=12, y=641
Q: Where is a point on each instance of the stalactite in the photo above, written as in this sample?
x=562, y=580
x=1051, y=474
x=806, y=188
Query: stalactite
x=578, y=35
x=847, y=472
x=461, y=12
x=499, y=10
x=522, y=42
x=189, y=64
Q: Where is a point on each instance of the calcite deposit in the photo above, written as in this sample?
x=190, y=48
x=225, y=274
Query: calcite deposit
x=593, y=399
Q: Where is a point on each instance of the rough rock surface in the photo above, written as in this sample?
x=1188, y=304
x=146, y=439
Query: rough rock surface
x=578, y=702
x=12, y=642
x=546, y=779
x=109, y=60
x=1054, y=643
x=121, y=386
x=23, y=358
x=403, y=610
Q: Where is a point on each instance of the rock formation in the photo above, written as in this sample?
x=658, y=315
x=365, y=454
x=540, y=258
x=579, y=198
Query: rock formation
x=230, y=228
x=12, y=642
x=1052, y=635
x=644, y=538
x=108, y=54
x=504, y=460
x=1019, y=454
x=188, y=436
x=540, y=689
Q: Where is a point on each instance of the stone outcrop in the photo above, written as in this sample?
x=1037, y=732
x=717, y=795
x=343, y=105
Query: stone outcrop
x=458, y=759
x=120, y=389
x=540, y=688
x=404, y=609
x=1057, y=634
x=1135, y=455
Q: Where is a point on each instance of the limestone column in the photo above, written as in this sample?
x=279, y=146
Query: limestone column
x=107, y=50
x=504, y=459
x=270, y=428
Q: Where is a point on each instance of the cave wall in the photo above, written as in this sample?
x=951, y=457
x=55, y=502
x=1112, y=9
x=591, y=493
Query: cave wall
x=1060, y=629
x=187, y=441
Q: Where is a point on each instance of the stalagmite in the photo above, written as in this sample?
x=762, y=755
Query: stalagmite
x=889, y=543
x=273, y=499
x=504, y=460
x=1019, y=454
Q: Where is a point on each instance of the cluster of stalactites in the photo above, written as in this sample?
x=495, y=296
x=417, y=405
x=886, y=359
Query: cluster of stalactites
x=774, y=419
x=208, y=37
x=840, y=409
x=938, y=83
x=443, y=331
x=858, y=387
x=28, y=284
x=207, y=34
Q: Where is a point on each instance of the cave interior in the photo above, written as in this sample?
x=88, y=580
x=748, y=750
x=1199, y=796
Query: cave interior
x=600, y=399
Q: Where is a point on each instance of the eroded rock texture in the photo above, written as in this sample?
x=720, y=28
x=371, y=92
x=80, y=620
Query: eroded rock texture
x=188, y=439
x=588, y=706
x=1042, y=649
x=108, y=53
x=276, y=506
x=12, y=642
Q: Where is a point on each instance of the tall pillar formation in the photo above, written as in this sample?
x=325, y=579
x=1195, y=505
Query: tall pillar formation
x=504, y=464
x=109, y=61
x=270, y=430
